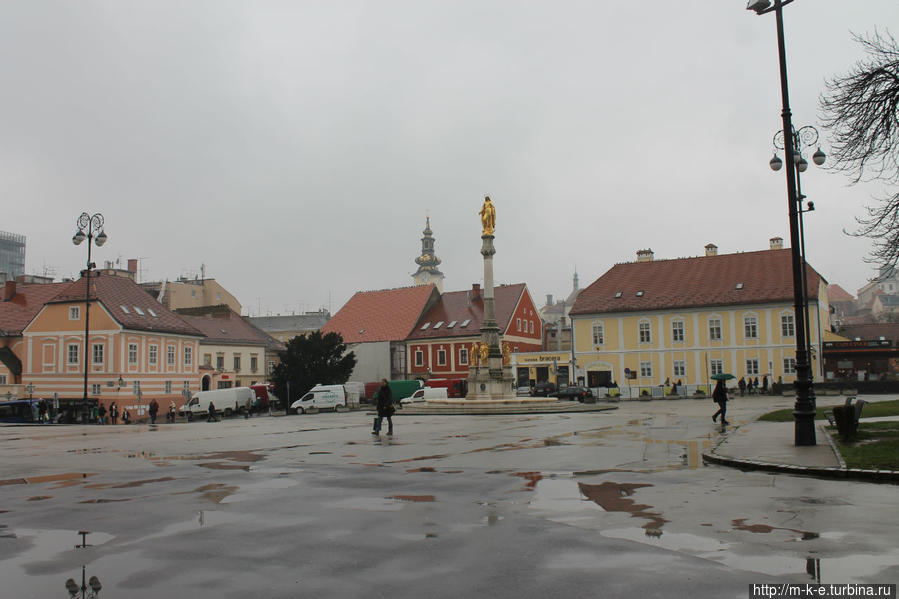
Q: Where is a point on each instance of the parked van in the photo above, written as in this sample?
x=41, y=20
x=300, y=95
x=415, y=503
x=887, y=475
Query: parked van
x=226, y=401
x=399, y=389
x=265, y=393
x=426, y=393
x=321, y=397
x=454, y=387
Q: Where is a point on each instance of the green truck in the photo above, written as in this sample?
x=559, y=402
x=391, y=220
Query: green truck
x=399, y=389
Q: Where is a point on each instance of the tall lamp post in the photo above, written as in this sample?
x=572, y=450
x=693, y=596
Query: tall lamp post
x=804, y=408
x=90, y=227
x=90, y=588
x=803, y=137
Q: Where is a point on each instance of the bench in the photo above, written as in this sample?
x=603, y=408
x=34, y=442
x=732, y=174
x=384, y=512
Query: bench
x=846, y=417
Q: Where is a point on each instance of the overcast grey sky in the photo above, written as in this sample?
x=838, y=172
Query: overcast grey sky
x=295, y=147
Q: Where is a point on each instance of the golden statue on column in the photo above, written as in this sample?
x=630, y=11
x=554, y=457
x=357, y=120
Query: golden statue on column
x=488, y=217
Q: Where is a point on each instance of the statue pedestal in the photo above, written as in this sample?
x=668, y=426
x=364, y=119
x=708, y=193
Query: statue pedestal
x=491, y=382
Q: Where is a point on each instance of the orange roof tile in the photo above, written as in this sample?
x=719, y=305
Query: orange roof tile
x=18, y=311
x=385, y=315
x=837, y=294
x=762, y=277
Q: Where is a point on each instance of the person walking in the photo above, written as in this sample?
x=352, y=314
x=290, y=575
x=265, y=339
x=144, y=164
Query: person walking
x=719, y=396
x=170, y=417
x=154, y=409
x=742, y=385
x=211, y=413
x=765, y=384
x=385, y=409
x=126, y=417
x=248, y=408
x=101, y=414
x=114, y=413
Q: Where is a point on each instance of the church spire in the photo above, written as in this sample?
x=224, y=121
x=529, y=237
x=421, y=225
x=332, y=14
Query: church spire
x=428, y=261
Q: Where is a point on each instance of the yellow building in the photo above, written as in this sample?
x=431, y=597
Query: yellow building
x=647, y=322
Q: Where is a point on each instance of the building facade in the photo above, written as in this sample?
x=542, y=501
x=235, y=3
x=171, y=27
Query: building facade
x=137, y=350
x=651, y=321
x=440, y=344
x=12, y=255
x=191, y=293
x=286, y=327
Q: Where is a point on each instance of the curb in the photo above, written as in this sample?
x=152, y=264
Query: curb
x=878, y=476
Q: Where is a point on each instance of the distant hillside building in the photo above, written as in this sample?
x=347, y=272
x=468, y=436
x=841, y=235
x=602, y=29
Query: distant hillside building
x=286, y=327
x=191, y=293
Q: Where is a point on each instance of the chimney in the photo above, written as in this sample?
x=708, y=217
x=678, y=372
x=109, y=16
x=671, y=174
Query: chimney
x=645, y=255
x=132, y=265
x=711, y=250
x=475, y=291
x=9, y=290
x=777, y=243
x=549, y=299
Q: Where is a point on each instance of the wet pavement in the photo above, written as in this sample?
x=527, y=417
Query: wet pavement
x=583, y=504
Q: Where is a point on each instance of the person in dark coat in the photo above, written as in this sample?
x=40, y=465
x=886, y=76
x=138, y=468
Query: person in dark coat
x=742, y=385
x=211, y=417
x=385, y=409
x=719, y=396
x=154, y=409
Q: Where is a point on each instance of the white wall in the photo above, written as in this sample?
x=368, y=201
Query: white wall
x=372, y=361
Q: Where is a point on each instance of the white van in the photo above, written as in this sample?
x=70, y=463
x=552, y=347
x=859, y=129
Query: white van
x=321, y=397
x=426, y=393
x=354, y=391
x=226, y=401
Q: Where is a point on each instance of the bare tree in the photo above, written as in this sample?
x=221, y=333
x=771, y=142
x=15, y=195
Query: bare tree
x=861, y=110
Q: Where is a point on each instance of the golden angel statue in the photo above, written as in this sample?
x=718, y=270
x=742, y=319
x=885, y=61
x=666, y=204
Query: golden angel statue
x=474, y=353
x=507, y=353
x=485, y=351
x=488, y=217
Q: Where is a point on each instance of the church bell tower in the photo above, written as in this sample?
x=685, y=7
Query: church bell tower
x=428, y=261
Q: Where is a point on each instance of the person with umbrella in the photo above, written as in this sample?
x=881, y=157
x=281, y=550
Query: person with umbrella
x=719, y=396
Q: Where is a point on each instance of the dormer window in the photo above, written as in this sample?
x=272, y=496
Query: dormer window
x=451, y=325
x=465, y=323
x=425, y=325
x=139, y=311
x=125, y=309
x=617, y=294
x=640, y=293
x=438, y=325
x=739, y=286
x=152, y=313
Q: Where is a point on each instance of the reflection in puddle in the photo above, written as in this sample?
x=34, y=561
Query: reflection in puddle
x=615, y=497
x=368, y=504
x=254, y=490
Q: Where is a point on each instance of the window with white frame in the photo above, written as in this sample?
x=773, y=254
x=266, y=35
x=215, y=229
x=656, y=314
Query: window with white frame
x=751, y=327
x=716, y=366
x=168, y=387
x=254, y=363
x=170, y=355
x=598, y=333
x=518, y=324
x=97, y=353
x=236, y=362
x=787, y=325
x=74, y=313
x=752, y=366
x=441, y=357
x=220, y=362
x=419, y=357
x=789, y=365
x=95, y=389
x=153, y=355
x=2, y=379
x=680, y=368
x=73, y=353
x=189, y=357
x=132, y=353
x=715, y=329
x=463, y=356
x=646, y=369
x=187, y=385
x=645, y=332
x=137, y=388
x=677, y=331
x=532, y=326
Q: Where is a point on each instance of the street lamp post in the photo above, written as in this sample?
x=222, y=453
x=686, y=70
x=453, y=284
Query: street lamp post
x=803, y=137
x=88, y=225
x=804, y=408
x=92, y=584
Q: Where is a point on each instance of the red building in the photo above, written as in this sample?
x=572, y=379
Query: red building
x=440, y=343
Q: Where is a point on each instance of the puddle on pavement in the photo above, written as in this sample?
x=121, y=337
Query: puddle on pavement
x=256, y=490
x=740, y=524
x=422, y=469
x=63, y=480
x=367, y=504
x=418, y=459
x=532, y=479
x=616, y=497
x=414, y=498
x=129, y=485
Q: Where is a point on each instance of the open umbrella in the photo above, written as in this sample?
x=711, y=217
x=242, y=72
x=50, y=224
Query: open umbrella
x=722, y=377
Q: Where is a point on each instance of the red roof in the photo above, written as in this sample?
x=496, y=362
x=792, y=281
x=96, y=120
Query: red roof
x=871, y=331
x=455, y=307
x=16, y=313
x=228, y=328
x=129, y=305
x=386, y=315
x=725, y=280
x=837, y=294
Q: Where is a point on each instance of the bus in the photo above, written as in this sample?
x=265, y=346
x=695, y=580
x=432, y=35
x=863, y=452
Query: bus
x=20, y=410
